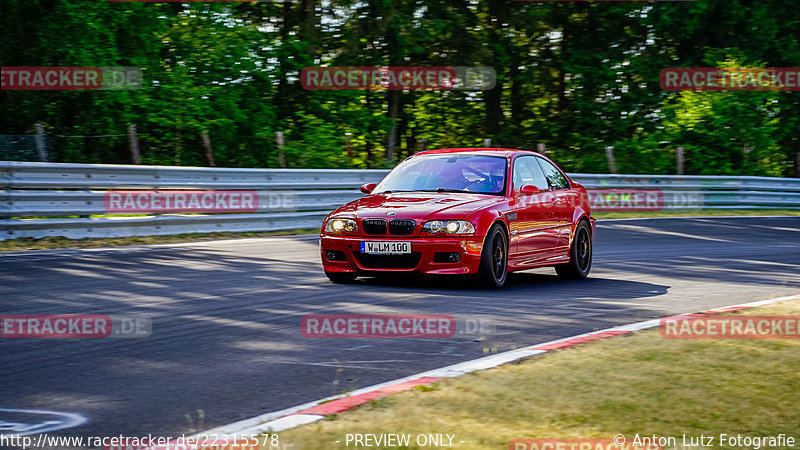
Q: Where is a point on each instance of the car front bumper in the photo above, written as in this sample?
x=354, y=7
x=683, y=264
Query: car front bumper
x=421, y=259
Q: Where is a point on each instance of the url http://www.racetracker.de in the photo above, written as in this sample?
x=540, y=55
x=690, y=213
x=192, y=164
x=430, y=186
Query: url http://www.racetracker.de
x=150, y=442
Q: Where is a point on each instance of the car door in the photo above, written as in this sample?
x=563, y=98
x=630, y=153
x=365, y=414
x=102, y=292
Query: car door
x=533, y=231
x=562, y=204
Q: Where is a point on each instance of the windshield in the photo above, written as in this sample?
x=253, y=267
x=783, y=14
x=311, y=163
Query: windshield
x=478, y=174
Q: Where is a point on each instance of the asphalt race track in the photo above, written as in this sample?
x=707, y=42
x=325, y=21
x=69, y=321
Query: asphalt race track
x=226, y=342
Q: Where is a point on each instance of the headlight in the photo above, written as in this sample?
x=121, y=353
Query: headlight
x=448, y=226
x=341, y=226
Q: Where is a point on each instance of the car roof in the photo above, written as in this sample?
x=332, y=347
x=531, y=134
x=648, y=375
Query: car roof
x=479, y=151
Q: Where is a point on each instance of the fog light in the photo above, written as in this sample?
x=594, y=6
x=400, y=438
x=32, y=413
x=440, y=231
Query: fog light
x=447, y=257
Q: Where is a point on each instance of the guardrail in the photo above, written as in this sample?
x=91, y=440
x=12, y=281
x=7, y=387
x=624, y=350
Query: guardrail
x=159, y=200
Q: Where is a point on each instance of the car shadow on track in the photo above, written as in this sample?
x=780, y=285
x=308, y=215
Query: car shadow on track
x=522, y=283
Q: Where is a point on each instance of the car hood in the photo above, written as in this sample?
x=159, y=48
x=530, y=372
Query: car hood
x=418, y=205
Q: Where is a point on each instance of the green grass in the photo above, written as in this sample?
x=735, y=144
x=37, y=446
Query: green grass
x=634, y=384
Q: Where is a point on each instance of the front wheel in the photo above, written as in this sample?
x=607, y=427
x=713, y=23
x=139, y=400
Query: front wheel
x=580, y=255
x=341, y=277
x=494, y=259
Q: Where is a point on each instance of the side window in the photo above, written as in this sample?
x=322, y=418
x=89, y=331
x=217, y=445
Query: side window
x=554, y=176
x=521, y=173
x=527, y=171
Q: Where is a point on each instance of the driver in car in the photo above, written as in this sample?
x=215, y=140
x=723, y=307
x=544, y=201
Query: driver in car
x=452, y=178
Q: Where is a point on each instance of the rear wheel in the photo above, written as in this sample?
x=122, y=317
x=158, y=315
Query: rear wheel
x=493, y=270
x=341, y=277
x=580, y=255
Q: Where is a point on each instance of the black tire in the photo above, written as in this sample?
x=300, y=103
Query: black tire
x=493, y=271
x=341, y=277
x=580, y=255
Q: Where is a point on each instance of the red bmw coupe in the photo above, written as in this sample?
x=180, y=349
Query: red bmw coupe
x=479, y=212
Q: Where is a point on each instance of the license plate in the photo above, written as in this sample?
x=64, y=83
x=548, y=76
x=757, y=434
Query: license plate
x=386, y=247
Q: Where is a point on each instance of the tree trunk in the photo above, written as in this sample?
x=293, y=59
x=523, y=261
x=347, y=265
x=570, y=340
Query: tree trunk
x=281, y=154
x=41, y=142
x=493, y=97
x=207, y=146
x=541, y=148
x=309, y=24
x=797, y=166
x=133, y=140
x=612, y=163
x=348, y=145
x=368, y=146
x=391, y=114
